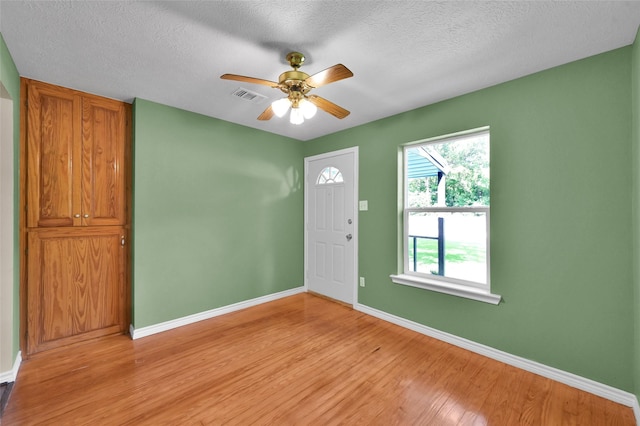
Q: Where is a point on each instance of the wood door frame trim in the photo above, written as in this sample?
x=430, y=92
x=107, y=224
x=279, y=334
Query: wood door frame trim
x=22, y=251
x=128, y=206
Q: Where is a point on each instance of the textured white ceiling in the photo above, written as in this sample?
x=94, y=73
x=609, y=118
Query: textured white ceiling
x=403, y=54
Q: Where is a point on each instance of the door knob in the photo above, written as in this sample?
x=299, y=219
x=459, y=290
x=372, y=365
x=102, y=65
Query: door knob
x=76, y=215
x=86, y=215
x=349, y=236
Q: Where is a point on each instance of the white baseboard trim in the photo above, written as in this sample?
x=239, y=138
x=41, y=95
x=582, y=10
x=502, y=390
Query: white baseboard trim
x=10, y=376
x=616, y=395
x=190, y=319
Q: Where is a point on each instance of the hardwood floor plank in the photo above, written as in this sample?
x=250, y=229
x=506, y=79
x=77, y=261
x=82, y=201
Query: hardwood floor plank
x=504, y=396
x=298, y=360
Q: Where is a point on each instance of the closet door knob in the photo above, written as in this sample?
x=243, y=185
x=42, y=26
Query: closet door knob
x=86, y=215
x=76, y=215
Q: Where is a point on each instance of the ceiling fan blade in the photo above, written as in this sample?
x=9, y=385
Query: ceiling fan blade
x=249, y=79
x=328, y=106
x=266, y=114
x=330, y=75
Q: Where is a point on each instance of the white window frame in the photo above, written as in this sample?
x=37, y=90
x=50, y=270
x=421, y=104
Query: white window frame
x=442, y=284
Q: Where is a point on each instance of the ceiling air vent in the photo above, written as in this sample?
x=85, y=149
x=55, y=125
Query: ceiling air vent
x=248, y=95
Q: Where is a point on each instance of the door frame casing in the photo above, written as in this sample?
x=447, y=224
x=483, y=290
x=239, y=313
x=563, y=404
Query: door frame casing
x=7, y=249
x=354, y=150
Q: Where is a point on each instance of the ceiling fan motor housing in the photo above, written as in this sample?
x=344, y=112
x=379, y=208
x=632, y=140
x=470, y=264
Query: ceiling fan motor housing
x=293, y=83
x=292, y=78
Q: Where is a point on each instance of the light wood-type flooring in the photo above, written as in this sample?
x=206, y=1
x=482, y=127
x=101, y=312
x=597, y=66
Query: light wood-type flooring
x=300, y=360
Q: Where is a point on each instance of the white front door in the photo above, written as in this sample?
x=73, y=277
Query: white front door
x=331, y=224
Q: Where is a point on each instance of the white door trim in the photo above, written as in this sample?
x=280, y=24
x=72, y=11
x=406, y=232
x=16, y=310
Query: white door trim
x=7, y=254
x=355, y=233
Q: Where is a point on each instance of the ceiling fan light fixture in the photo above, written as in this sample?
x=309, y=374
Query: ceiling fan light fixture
x=296, y=116
x=296, y=85
x=280, y=107
x=308, y=109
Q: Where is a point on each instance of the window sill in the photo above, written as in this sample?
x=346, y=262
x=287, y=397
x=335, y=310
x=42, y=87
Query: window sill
x=447, y=288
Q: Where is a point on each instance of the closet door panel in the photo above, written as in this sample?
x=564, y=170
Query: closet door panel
x=104, y=144
x=54, y=117
x=76, y=285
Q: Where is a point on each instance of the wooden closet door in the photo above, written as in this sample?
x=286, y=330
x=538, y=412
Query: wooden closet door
x=53, y=145
x=77, y=189
x=104, y=142
x=76, y=285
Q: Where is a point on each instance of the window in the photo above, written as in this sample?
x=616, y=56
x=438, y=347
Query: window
x=446, y=203
x=329, y=175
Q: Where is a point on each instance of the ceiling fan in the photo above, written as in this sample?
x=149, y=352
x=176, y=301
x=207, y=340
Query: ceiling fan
x=297, y=85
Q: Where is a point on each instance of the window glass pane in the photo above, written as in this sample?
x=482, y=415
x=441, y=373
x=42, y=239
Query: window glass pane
x=451, y=173
x=452, y=245
x=329, y=175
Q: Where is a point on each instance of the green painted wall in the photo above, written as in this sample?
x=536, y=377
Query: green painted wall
x=218, y=213
x=560, y=216
x=635, y=132
x=11, y=81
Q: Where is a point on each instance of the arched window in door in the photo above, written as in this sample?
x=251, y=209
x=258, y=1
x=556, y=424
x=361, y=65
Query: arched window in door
x=329, y=175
